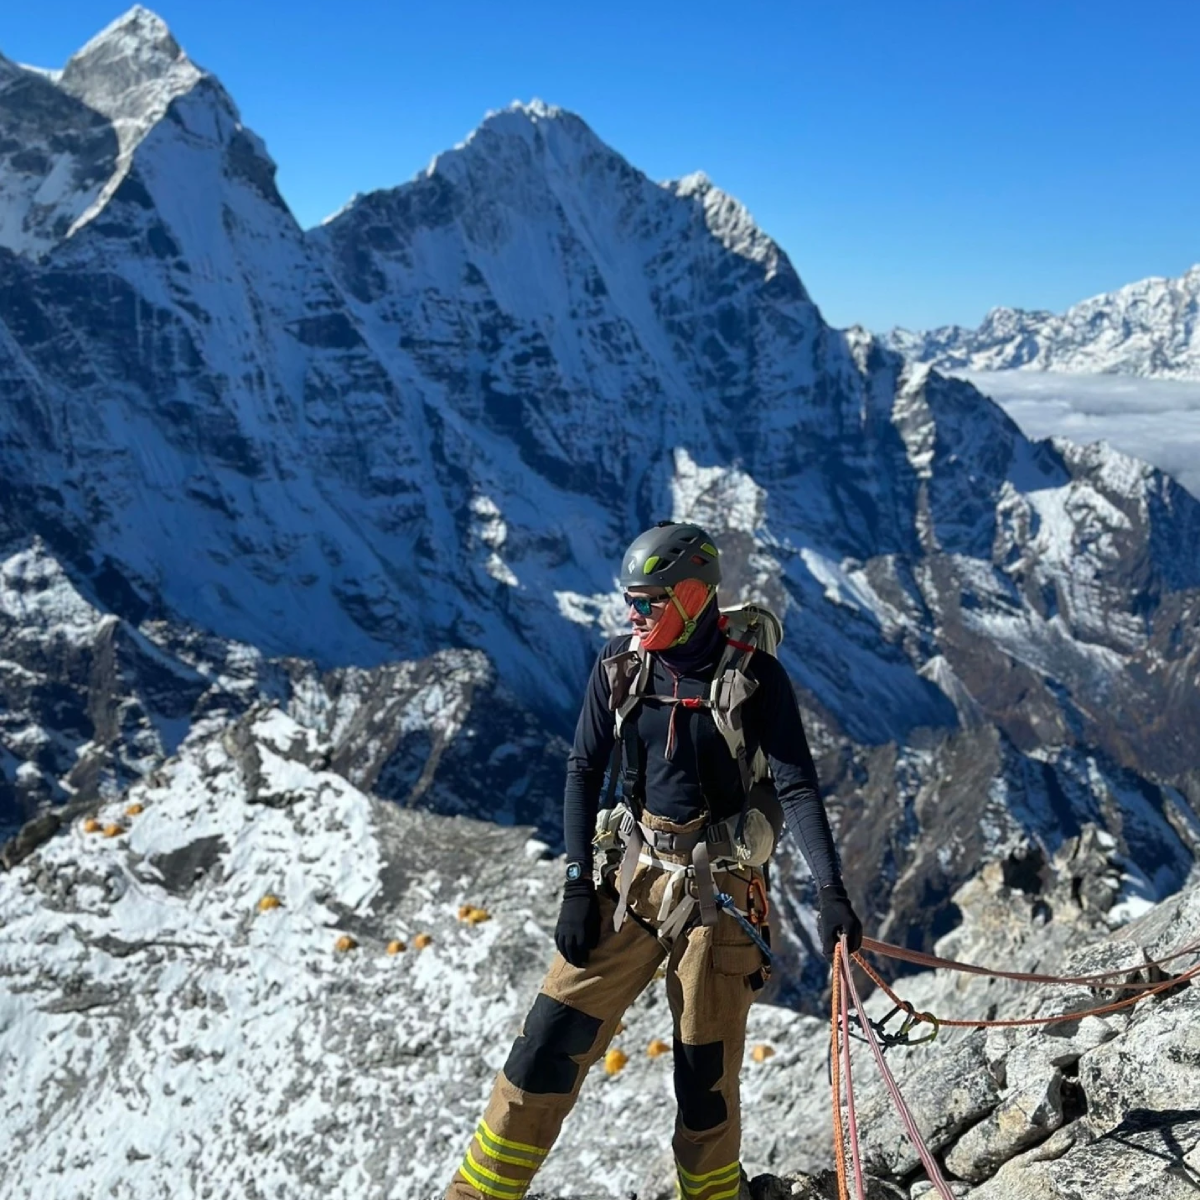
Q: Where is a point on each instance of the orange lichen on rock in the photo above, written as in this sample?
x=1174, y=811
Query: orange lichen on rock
x=762, y=1052
x=422, y=940
x=657, y=1047
x=396, y=947
x=344, y=943
x=269, y=902
x=615, y=1060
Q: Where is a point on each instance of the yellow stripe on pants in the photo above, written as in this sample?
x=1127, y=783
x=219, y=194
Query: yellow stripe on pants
x=512, y=1159
x=536, y=1151
x=693, y=1187
x=472, y=1172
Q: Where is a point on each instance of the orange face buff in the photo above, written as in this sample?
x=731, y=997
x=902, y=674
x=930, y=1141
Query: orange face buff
x=692, y=597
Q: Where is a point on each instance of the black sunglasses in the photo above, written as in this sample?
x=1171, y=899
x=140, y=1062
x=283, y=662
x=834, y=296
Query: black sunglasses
x=644, y=605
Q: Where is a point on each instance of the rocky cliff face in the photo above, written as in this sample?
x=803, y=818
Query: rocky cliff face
x=430, y=425
x=1147, y=328
x=92, y=703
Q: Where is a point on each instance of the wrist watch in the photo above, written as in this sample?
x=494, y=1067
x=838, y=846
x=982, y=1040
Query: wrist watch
x=574, y=871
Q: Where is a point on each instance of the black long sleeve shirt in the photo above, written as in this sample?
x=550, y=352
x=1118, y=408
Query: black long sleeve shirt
x=700, y=771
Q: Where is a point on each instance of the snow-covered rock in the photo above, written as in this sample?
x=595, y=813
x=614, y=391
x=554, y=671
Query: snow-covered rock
x=176, y=1011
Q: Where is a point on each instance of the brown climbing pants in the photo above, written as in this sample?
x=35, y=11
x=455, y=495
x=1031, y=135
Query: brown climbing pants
x=573, y=1018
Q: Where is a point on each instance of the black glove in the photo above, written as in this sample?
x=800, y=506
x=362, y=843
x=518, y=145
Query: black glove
x=578, y=928
x=837, y=916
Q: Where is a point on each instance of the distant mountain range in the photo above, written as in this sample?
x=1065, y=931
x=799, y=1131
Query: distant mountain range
x=1150, y=328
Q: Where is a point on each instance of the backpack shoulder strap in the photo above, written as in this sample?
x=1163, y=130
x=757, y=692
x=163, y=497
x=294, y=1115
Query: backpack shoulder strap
x=628, y=674
x=731, y=687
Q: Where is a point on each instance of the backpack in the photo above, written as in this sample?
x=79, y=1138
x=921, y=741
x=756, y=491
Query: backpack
x=748, y=628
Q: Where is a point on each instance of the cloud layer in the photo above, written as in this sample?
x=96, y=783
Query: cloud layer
x=1154, y=419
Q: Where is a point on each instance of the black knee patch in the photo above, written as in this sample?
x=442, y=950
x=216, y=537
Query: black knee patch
x=541, y=1060
x=698, y=1070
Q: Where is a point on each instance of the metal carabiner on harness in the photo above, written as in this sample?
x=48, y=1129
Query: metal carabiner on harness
x=760, y=912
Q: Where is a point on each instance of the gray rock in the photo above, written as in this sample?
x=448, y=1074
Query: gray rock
x=948, y=1090
x=1146, y=1156
x=1031, y=1065
x=1154, y=1068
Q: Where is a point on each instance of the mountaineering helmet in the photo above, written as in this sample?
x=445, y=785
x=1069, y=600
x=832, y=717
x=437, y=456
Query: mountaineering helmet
x=668, y=554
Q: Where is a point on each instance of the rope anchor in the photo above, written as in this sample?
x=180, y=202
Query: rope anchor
x=902, y=1036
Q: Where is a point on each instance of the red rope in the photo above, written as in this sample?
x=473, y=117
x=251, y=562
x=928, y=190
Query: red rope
x=1099, y=980
x=914, y=1134
x=835, y=1062
x=1102, y=1010
x=844, y=989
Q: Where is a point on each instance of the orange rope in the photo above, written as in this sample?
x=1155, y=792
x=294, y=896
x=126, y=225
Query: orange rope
x=839, y=1134
x=841, y=964
x=851, y=1113
x=1149, y=990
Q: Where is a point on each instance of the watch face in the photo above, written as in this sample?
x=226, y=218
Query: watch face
x=574, y=871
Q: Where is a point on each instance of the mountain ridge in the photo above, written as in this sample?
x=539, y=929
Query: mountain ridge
x=433, y=423
x=249, y=945
x=1148, y=328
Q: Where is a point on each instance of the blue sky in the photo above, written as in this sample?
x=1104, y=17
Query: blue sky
x=919, y=161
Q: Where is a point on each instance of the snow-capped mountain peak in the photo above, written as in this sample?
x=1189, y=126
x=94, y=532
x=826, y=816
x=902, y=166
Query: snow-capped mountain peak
x=731, y=223
x=78, y=131
x=130, y=73
x=535, y=109
x=526, y=136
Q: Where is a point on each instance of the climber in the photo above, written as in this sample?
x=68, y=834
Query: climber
x=691, y=719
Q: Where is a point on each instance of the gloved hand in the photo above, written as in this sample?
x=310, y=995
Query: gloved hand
x=578, y=929
x=837, y=916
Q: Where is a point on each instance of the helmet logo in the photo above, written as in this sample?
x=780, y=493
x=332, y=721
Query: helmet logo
x=632, y=565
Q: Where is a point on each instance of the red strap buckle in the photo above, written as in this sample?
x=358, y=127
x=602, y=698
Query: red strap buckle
x=693, y=702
